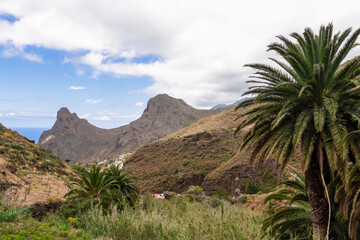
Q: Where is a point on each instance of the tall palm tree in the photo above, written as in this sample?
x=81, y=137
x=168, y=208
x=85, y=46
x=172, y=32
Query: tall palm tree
x=310, y=101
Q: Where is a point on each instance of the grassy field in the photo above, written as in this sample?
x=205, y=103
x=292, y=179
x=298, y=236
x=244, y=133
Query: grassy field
x=179, y=218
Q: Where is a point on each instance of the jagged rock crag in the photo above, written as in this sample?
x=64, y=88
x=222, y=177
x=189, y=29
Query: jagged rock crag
x=78, y=140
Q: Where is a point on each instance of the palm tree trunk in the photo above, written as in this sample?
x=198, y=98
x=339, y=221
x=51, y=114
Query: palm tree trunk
x=315, y=191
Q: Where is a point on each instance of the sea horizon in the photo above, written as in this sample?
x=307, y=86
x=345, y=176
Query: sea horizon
x=30, y=133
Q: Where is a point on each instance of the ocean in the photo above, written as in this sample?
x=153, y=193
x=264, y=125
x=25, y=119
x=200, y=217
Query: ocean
x=30, y=133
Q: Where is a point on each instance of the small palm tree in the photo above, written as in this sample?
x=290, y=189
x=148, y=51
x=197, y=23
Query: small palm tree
x=124, y=182
x=109, y=187
x=91, y=184
x=294, y=219
x=309, y=102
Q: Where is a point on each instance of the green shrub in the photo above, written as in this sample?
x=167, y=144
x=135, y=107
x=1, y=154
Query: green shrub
x=12, y=214
x=197, y=190
x=47, y=164
x=198, y=198
x=16, y=146
x=222, y=194
x=268, y=181
x=78, y=168
x=251, y=188
x=214, y=202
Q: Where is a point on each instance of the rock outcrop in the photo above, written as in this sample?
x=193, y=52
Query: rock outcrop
x=80, y=141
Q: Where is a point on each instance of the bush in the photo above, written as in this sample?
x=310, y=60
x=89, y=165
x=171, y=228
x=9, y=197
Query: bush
x=41, y=209
x=214, y=202
x=198, y=198
x=197, y=190
x=12, y=214
x=251, y=188
x=222, y=194
x=47, y=164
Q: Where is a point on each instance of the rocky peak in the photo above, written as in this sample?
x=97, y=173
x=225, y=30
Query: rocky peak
x=163, y=103
x=65, y=121
x=65, y=115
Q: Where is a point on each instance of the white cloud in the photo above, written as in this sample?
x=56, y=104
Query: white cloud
x=85, y=116
x=139, y=104
x=11, y=114
x=202, y=45
x=1, y=114
x=102, y=118
x=93, y=101
x=14, y=51
x=77, y=87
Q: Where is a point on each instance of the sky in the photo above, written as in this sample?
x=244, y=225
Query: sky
x=104, y=59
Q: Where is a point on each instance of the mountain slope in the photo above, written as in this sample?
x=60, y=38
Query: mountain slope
x=206, y=153
x=29, y=173
x=78, y=140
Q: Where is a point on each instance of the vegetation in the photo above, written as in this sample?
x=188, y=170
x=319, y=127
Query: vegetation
x=293, y=220
x=21, y=152
x=311, y=102
x=51, y=228
x=94, y=186
x=175, y=219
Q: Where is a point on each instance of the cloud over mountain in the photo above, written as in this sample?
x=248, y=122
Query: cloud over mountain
x=191, y=49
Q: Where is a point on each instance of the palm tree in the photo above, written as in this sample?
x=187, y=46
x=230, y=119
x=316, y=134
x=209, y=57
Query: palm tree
x=109, y=187
x=309, y=102
x=124, y=183
x=294, y=219
x=91, y=184
x=348, y=197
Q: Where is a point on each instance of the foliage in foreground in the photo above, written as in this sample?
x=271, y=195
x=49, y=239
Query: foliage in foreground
x=52, y=228
x=308, y=102
x=107, y=187
x=293, y=220
x=175, y=219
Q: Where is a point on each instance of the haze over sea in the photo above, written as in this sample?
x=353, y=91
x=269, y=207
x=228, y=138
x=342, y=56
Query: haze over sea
x=30, y=133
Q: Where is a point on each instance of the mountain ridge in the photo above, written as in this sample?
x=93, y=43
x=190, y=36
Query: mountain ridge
x=78, y=140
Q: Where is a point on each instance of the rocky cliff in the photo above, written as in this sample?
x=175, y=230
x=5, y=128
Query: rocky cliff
x=80, y=141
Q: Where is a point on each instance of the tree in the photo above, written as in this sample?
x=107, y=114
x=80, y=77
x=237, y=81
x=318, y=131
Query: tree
x=107, y=187
x=310, y=101
x=124, y=183
x=91, y=184
x=67, y=160
x=293, y=220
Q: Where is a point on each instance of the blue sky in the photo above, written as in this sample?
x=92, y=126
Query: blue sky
x=105, y=59
x=32, y=92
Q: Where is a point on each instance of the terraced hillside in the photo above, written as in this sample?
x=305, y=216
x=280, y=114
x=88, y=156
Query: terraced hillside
x=29, y=173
